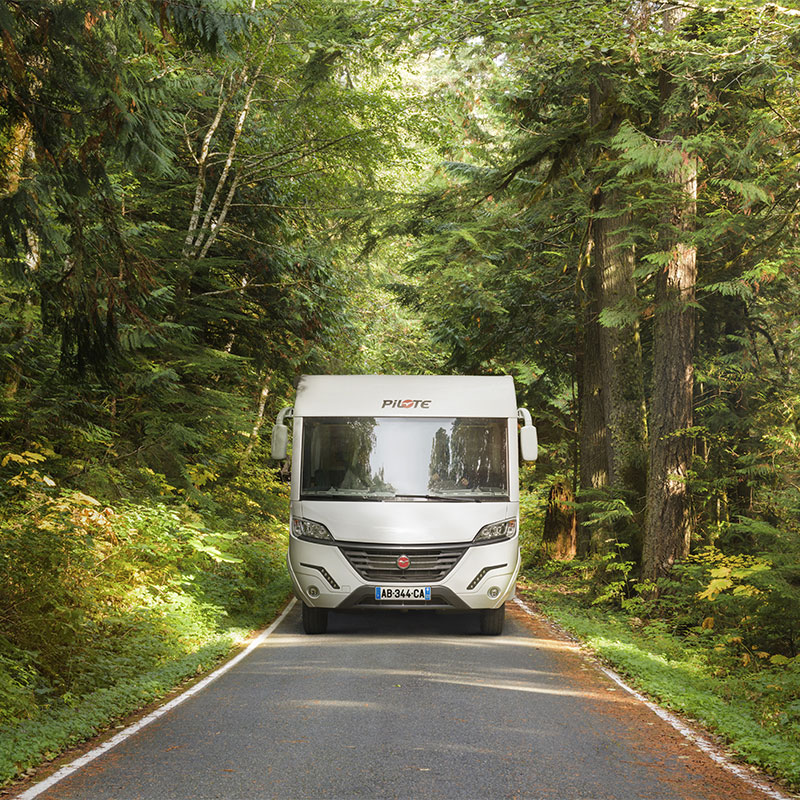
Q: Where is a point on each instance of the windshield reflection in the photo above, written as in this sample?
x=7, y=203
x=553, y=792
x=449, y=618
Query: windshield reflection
x=391, y=458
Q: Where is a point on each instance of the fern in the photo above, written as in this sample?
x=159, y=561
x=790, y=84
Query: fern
x=737, y=288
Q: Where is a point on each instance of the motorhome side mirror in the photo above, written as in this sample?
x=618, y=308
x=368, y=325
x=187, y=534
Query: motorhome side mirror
x=280, y=441
x=528, y=443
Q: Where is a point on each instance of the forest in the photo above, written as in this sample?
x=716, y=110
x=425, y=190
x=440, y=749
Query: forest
x=202, y=200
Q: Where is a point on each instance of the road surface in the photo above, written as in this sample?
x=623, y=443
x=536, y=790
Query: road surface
x=413, y=705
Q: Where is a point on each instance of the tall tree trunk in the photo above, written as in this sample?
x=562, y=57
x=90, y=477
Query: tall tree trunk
x=620, y=352
x=259, y=421
x=11, y=173
x=619, y=356
x=593, y=446
x=201, y=159
x=621, y=368
x=201, y=234
x=669, y=526
x=13, y=158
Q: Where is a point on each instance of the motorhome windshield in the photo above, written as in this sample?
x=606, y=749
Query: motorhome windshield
x=396, y=458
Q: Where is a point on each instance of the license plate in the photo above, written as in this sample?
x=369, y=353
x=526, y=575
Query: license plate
x=402, y=592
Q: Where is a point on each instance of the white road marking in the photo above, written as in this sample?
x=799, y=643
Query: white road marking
x=711, y=750
x=69, y=769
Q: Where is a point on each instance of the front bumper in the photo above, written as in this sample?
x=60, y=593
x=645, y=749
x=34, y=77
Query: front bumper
x=324, y=577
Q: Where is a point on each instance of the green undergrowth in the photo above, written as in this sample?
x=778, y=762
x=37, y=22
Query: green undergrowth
x=32, y=741
x=751, y=703
x=105, y=608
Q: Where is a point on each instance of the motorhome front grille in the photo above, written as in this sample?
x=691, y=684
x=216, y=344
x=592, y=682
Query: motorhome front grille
x=424, y=566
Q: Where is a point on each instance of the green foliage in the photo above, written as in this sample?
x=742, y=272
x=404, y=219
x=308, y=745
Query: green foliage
x=385, y=188
x=105, y=608
x=532, y=506
x=752, y=602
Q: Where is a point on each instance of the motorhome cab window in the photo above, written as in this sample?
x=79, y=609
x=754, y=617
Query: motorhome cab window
x=405, y=459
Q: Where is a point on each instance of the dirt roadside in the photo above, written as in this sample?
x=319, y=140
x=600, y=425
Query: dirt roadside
x=640, y=723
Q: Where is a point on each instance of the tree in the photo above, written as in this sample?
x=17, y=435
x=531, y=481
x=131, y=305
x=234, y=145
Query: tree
x=178, y=243
x=656, y=140
x=669, y=526
x=618, y=372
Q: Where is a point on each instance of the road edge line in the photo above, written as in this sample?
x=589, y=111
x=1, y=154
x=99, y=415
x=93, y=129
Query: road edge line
x=131, y=730
x=710, y=749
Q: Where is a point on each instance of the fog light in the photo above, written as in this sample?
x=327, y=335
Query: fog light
x=312, y=592
x=494, y=593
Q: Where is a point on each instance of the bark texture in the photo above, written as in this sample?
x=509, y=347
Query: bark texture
x=621, y=353
x=669, y=526
x=13, y=158
x=668, y=530
x=259, y=421
x=613, y=405
x=593, y=445
x=12, y=167
x=560, y=535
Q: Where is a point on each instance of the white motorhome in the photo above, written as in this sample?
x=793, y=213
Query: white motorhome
x=404, y=493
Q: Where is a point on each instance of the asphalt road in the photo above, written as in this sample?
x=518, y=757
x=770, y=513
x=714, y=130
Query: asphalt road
x=413, y=705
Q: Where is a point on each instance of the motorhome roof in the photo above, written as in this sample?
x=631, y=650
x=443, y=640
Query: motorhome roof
x=405, y=395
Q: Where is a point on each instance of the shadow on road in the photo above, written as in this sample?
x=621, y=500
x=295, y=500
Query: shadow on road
x=413, y=624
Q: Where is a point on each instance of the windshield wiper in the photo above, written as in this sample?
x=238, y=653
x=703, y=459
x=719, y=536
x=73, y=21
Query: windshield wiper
x=346, y=494
x=356, y=494
x=447, y=498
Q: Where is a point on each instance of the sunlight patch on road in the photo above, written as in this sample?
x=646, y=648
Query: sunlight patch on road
x=522, y=687
x=350, y=705
x=377, y=640
x=393, y=672
x=504, y=680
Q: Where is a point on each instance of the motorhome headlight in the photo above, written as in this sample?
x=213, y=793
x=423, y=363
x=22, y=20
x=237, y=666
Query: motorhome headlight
x=496, y=531
x=307, y=529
